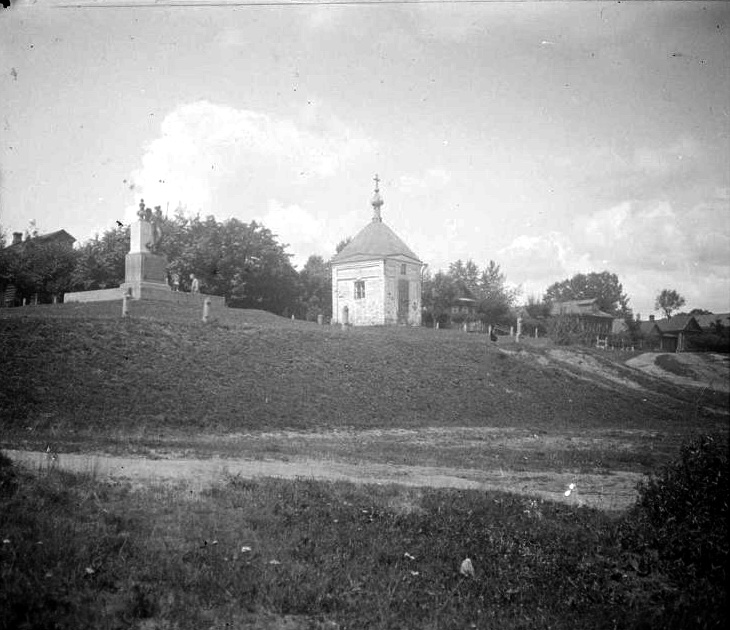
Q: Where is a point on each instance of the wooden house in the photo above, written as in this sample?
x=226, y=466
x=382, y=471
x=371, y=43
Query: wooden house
x=588, y=317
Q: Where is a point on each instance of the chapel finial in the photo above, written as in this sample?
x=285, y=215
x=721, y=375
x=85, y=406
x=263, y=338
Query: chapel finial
x=377, y=201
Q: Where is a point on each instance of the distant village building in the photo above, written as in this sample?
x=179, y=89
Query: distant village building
x=670, y=335
x=9, y=293
x=588, y=317
x=376, y=278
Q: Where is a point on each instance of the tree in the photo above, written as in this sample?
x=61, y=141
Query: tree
x=316, y=286
x=603, y=287
x=668, y=301
x=488, y=287
x=437, y=295
x=100, y=261
x=42, y=269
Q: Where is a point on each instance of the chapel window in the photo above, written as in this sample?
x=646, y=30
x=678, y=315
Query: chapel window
x=359, y=289
x=403, y=269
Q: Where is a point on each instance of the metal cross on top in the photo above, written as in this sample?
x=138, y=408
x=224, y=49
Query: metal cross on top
x=376, y=179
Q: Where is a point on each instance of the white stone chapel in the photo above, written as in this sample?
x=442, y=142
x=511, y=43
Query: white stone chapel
x=376, y=278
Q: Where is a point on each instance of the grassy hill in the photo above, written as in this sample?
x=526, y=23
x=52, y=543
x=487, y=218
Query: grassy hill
x=80, y=552
x=81, y=368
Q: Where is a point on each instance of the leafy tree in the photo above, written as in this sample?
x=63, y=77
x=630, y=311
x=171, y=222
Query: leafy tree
x=100, y=261
x=38, y=268
x=700, y=311
x=488, y=287
x=537, y=308
x=316, y=285
x=668, y=301
x=437, y=295
x=603, y=287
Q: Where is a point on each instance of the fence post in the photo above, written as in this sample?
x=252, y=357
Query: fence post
x=125, y=304
x=206, y=309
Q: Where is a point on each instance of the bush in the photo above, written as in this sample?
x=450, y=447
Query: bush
x=564, y=330
x=678, y=528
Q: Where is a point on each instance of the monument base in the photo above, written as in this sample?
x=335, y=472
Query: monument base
x=144, y=268
x=143, y=291
x=100, y=295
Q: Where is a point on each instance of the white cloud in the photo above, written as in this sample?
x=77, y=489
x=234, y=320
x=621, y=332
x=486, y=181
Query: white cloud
x=300, y=229
x=537, y=261
x=204, y=145
x=652, y=235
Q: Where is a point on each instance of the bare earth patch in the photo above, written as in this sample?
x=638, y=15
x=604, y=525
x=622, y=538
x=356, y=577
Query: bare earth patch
x=710, y=370
x=615, y=491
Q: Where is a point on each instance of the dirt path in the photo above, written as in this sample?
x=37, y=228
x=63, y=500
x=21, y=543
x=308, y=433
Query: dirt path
x=607, y=492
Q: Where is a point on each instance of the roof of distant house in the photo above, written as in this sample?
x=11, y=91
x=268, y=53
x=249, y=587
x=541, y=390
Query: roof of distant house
x=708, y=321
x=58, y=235
x=646, y=328
x=677, y=323
x=582, y=308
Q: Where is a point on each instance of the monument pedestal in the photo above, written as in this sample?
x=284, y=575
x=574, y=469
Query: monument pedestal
x=144, y=276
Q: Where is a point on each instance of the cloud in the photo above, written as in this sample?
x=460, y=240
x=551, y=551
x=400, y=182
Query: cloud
x=203, y=146
x=652, y=235
x=649, y=244
x=535, y=262
x=298, y=228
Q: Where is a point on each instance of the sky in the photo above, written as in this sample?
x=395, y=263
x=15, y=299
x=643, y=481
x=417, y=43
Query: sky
x=552, y=137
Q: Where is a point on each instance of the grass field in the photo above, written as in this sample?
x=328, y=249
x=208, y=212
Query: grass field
x=85, y=551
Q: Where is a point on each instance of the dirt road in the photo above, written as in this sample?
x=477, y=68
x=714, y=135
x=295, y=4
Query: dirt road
x=611, y=492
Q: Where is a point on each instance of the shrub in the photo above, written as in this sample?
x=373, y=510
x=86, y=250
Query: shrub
x=678, y=528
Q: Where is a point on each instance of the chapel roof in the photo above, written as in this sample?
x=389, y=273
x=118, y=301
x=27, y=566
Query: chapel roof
x=376, y=240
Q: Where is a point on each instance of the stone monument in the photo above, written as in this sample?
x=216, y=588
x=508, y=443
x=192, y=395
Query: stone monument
x=144, y=271
x=145, y=275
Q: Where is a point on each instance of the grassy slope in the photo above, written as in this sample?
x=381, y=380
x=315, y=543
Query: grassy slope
x=82, y=553
x=79, y=367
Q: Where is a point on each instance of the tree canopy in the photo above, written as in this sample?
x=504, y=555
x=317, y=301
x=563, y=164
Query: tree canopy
x=488, y=287
x=669, y=301
x=603, y=287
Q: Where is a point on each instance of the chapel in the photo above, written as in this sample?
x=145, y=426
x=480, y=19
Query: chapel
x=376, y=277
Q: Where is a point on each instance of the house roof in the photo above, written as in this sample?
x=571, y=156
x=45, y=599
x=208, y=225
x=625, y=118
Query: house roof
x=375, y=240
x=708, y=321
x=648, y=328
x=677, y=323
x=583, y=308
x=58, y=235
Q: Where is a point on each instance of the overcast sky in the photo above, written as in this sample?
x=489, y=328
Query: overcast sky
x=554, y=138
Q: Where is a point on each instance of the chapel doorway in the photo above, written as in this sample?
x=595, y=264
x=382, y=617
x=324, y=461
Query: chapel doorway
x=403, y=301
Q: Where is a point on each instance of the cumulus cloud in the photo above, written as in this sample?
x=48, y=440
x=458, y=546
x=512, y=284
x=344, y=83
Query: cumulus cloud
x=203, y=145
x=652, y=235
x=298, y=228
x=537, y=261
x=650, y=245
